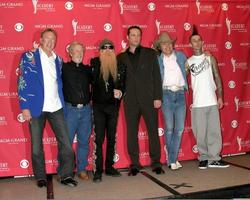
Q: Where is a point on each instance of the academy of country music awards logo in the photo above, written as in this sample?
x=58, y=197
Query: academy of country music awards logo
x=3, y=122
x=50, y=140
x=203, y=8
x=240, y=104
x=134, y=7
x=2, y=74
x=47, y=7
x=8, y=95
x=242, y=143
x=234, y=27
x=164, y=27
x=86, y=28
x=166, y=151
x=142, y=135
x=144, y=154
x=210, y=47
x=238, y=65
x=1, y=29
x=123, y=44
x=4, y=167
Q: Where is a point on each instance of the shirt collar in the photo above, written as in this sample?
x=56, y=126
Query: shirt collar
x=171, y=57
x=137, y=50
x=42, y=53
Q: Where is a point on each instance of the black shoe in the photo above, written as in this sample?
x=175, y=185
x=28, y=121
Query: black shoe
x=41, y=183
x=112, y=172
x=203, y=164
x=69, y=182
x=97, y=177
x=133, y=171
x=158, y=170
x=218, y=164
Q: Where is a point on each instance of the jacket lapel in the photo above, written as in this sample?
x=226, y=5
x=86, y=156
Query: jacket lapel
x=140, y=61
x=39, y=66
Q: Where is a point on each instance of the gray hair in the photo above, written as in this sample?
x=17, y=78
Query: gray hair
x=73, y=44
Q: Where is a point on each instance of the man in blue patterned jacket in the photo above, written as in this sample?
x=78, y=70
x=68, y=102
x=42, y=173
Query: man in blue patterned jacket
x=41, y=99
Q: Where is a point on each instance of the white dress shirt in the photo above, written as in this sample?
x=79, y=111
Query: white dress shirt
x=52, y=100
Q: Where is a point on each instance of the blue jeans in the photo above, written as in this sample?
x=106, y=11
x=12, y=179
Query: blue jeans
x=79, y=122
x=174, y=111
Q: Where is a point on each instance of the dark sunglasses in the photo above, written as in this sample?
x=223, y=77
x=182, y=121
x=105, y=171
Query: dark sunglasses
x=107, y=47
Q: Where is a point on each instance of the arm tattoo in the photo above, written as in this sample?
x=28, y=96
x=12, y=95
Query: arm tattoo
x=217, y=77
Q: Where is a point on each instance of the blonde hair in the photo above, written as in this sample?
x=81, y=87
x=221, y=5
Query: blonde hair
x=108, y=65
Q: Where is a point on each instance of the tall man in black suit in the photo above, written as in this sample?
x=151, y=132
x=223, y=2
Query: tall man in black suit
x=142, y=98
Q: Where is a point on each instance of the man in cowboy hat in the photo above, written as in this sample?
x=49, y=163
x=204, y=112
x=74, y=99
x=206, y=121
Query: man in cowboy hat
x=174, y=85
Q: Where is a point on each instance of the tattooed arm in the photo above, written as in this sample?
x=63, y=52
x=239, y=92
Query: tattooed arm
x=218, y=82
x=187, y=67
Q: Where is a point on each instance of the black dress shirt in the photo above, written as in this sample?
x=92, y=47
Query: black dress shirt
x=134, y=57
x=76, y=82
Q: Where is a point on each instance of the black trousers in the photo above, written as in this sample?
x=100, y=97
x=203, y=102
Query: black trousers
x=65, y=152
x=105, y=122
x=133, y=114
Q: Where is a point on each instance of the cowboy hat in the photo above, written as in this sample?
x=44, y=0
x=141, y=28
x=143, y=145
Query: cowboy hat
x=163, y=38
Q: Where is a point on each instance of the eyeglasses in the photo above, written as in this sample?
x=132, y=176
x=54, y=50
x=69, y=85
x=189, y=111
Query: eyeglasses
x=107, y=47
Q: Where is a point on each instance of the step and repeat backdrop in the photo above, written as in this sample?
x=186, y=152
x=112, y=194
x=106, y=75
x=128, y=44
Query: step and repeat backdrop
x=224, y=26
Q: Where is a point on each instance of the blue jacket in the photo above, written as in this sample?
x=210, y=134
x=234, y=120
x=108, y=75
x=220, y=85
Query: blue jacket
x=30, y=82
x=181, y=59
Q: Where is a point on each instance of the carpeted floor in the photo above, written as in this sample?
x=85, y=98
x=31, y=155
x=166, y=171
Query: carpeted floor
x=188, y=182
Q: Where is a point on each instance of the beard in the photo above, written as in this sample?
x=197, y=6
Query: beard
x=108, y=65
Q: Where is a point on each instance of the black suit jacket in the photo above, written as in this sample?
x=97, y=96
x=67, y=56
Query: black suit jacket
x=143, y=83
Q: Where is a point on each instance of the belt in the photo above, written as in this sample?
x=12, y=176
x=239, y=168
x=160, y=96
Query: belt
x=76, y=105
x=173, y=88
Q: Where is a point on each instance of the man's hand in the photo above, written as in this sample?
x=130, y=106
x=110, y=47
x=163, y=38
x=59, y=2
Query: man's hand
x=220, y=103
x=117, y=94
x=26, y=114
x=157, y=104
